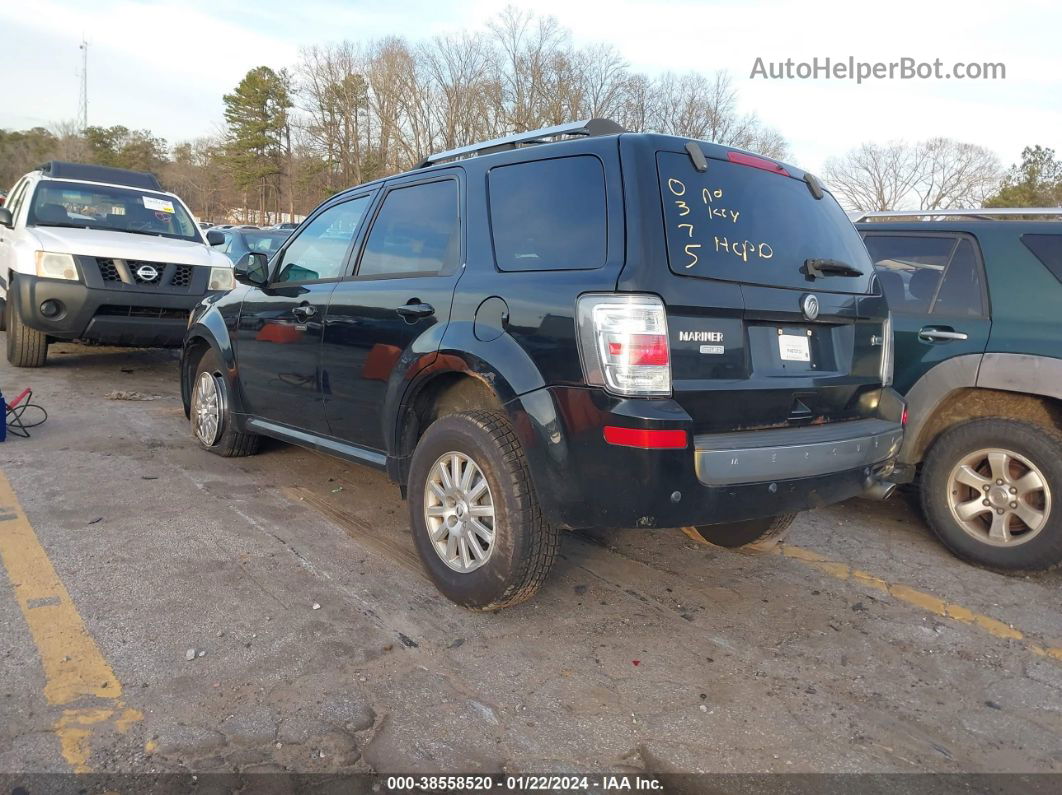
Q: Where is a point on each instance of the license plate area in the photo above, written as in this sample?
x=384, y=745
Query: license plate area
x=794, y=347
x=784, y=350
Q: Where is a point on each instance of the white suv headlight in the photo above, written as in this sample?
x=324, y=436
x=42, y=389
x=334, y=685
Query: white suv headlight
x=56, y=266
x=221, y=279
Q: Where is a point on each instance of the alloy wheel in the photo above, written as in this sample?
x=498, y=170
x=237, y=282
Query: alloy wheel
x=206, y=409
x=999, y=497
x=459, y=512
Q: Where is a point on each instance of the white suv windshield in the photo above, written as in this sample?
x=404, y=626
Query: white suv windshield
x=77, y=204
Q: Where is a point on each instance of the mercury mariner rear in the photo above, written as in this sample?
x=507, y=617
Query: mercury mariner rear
x=746, y=356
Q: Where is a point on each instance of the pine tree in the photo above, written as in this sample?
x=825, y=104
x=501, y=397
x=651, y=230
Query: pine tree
x=258, y=132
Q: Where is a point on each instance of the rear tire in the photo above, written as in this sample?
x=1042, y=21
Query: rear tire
x=469, y=484
x=740, y=534
x=211, y=413
x=26, y=347
x=964, y=467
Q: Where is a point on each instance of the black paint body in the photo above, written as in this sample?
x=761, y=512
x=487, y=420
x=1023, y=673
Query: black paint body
x=344, y=381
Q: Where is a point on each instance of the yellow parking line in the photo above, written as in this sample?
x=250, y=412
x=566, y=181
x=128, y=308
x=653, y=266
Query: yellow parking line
x=76, y=675
x=904, y=593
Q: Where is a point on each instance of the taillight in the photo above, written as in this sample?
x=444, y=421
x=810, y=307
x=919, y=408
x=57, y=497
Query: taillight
x=623, y=343
x=887, y=354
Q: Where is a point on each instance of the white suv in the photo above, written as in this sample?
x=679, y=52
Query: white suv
x=102, y=255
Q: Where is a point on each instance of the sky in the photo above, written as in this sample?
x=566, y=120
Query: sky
x=164, y=66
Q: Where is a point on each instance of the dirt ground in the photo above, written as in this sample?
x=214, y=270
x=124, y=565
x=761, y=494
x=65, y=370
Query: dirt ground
x=317, y=644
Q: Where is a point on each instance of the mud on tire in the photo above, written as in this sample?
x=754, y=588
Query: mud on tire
x=524, y=545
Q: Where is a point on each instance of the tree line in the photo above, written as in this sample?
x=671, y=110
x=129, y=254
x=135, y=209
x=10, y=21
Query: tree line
x=349, y=112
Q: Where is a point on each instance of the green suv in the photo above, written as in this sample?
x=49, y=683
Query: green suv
x=976, y=301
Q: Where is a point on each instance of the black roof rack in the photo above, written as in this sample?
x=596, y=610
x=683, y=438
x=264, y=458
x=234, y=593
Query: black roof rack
x=60, y=169
x=587, y=127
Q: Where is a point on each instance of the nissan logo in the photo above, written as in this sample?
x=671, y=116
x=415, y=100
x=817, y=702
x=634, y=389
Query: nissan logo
x=811, y=307
x=147, y=273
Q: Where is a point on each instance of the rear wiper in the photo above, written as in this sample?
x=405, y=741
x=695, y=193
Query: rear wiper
x=818, y=268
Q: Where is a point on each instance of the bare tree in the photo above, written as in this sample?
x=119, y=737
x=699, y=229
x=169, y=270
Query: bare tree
x=956, y=174
x=933, y=174
x=702, y=106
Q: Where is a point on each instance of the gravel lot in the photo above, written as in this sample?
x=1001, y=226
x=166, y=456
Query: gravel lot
x=860, y=646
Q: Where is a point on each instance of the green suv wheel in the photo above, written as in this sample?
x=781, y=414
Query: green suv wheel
x=991, y=490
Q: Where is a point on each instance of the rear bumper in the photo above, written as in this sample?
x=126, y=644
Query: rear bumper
x=582, y=481
x=110, y=316
x=730, y=459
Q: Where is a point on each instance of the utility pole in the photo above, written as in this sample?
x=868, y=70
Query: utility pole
x=82, y=108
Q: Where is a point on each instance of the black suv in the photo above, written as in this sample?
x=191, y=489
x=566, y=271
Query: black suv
x=975, y=296
x=606, y=330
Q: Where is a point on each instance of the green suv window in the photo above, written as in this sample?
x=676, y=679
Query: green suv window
x=1048, y=249
x=929, y=274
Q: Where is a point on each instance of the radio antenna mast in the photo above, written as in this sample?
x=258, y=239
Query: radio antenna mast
x=82, y=108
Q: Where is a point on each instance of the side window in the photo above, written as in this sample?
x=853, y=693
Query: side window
x=320, y=250
x=416, y=231
x=1048, y=249
x=549, y=214
x=909, y=268
x=960, y=293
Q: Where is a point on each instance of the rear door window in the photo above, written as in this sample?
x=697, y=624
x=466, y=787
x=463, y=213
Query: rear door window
x=549, y=214
x=928, y=274
x=1048, y=249
x=417, y=231
x=745, y=224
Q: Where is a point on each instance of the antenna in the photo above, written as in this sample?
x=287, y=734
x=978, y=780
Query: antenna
x=82, y=107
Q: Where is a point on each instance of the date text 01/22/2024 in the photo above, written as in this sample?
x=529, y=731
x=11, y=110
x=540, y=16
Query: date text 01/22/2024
x=529, y=783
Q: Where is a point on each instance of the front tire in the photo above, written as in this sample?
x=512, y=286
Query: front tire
x=26, y=347
x=211, y=413
x=770, y=529
x=476, y=521
x=991, y=492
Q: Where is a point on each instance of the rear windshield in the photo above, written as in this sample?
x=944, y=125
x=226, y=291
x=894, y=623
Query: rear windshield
x=90, y=206
x=745, y=224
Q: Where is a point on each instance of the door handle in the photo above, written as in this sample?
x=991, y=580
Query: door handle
x=945, y=334
x=303, y=312
x=416, y=311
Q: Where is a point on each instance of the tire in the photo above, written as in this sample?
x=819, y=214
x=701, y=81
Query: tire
x=523, y=546
x=222, y=439
x=26, y=347
x=1027, y=544
x=740, y=534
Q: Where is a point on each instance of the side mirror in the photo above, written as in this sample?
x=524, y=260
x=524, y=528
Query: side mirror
x=214, y=237
x=6, y=219
x=252, y=268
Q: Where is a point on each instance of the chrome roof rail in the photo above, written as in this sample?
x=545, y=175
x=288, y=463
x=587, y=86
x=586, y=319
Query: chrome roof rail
x=985, y=213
